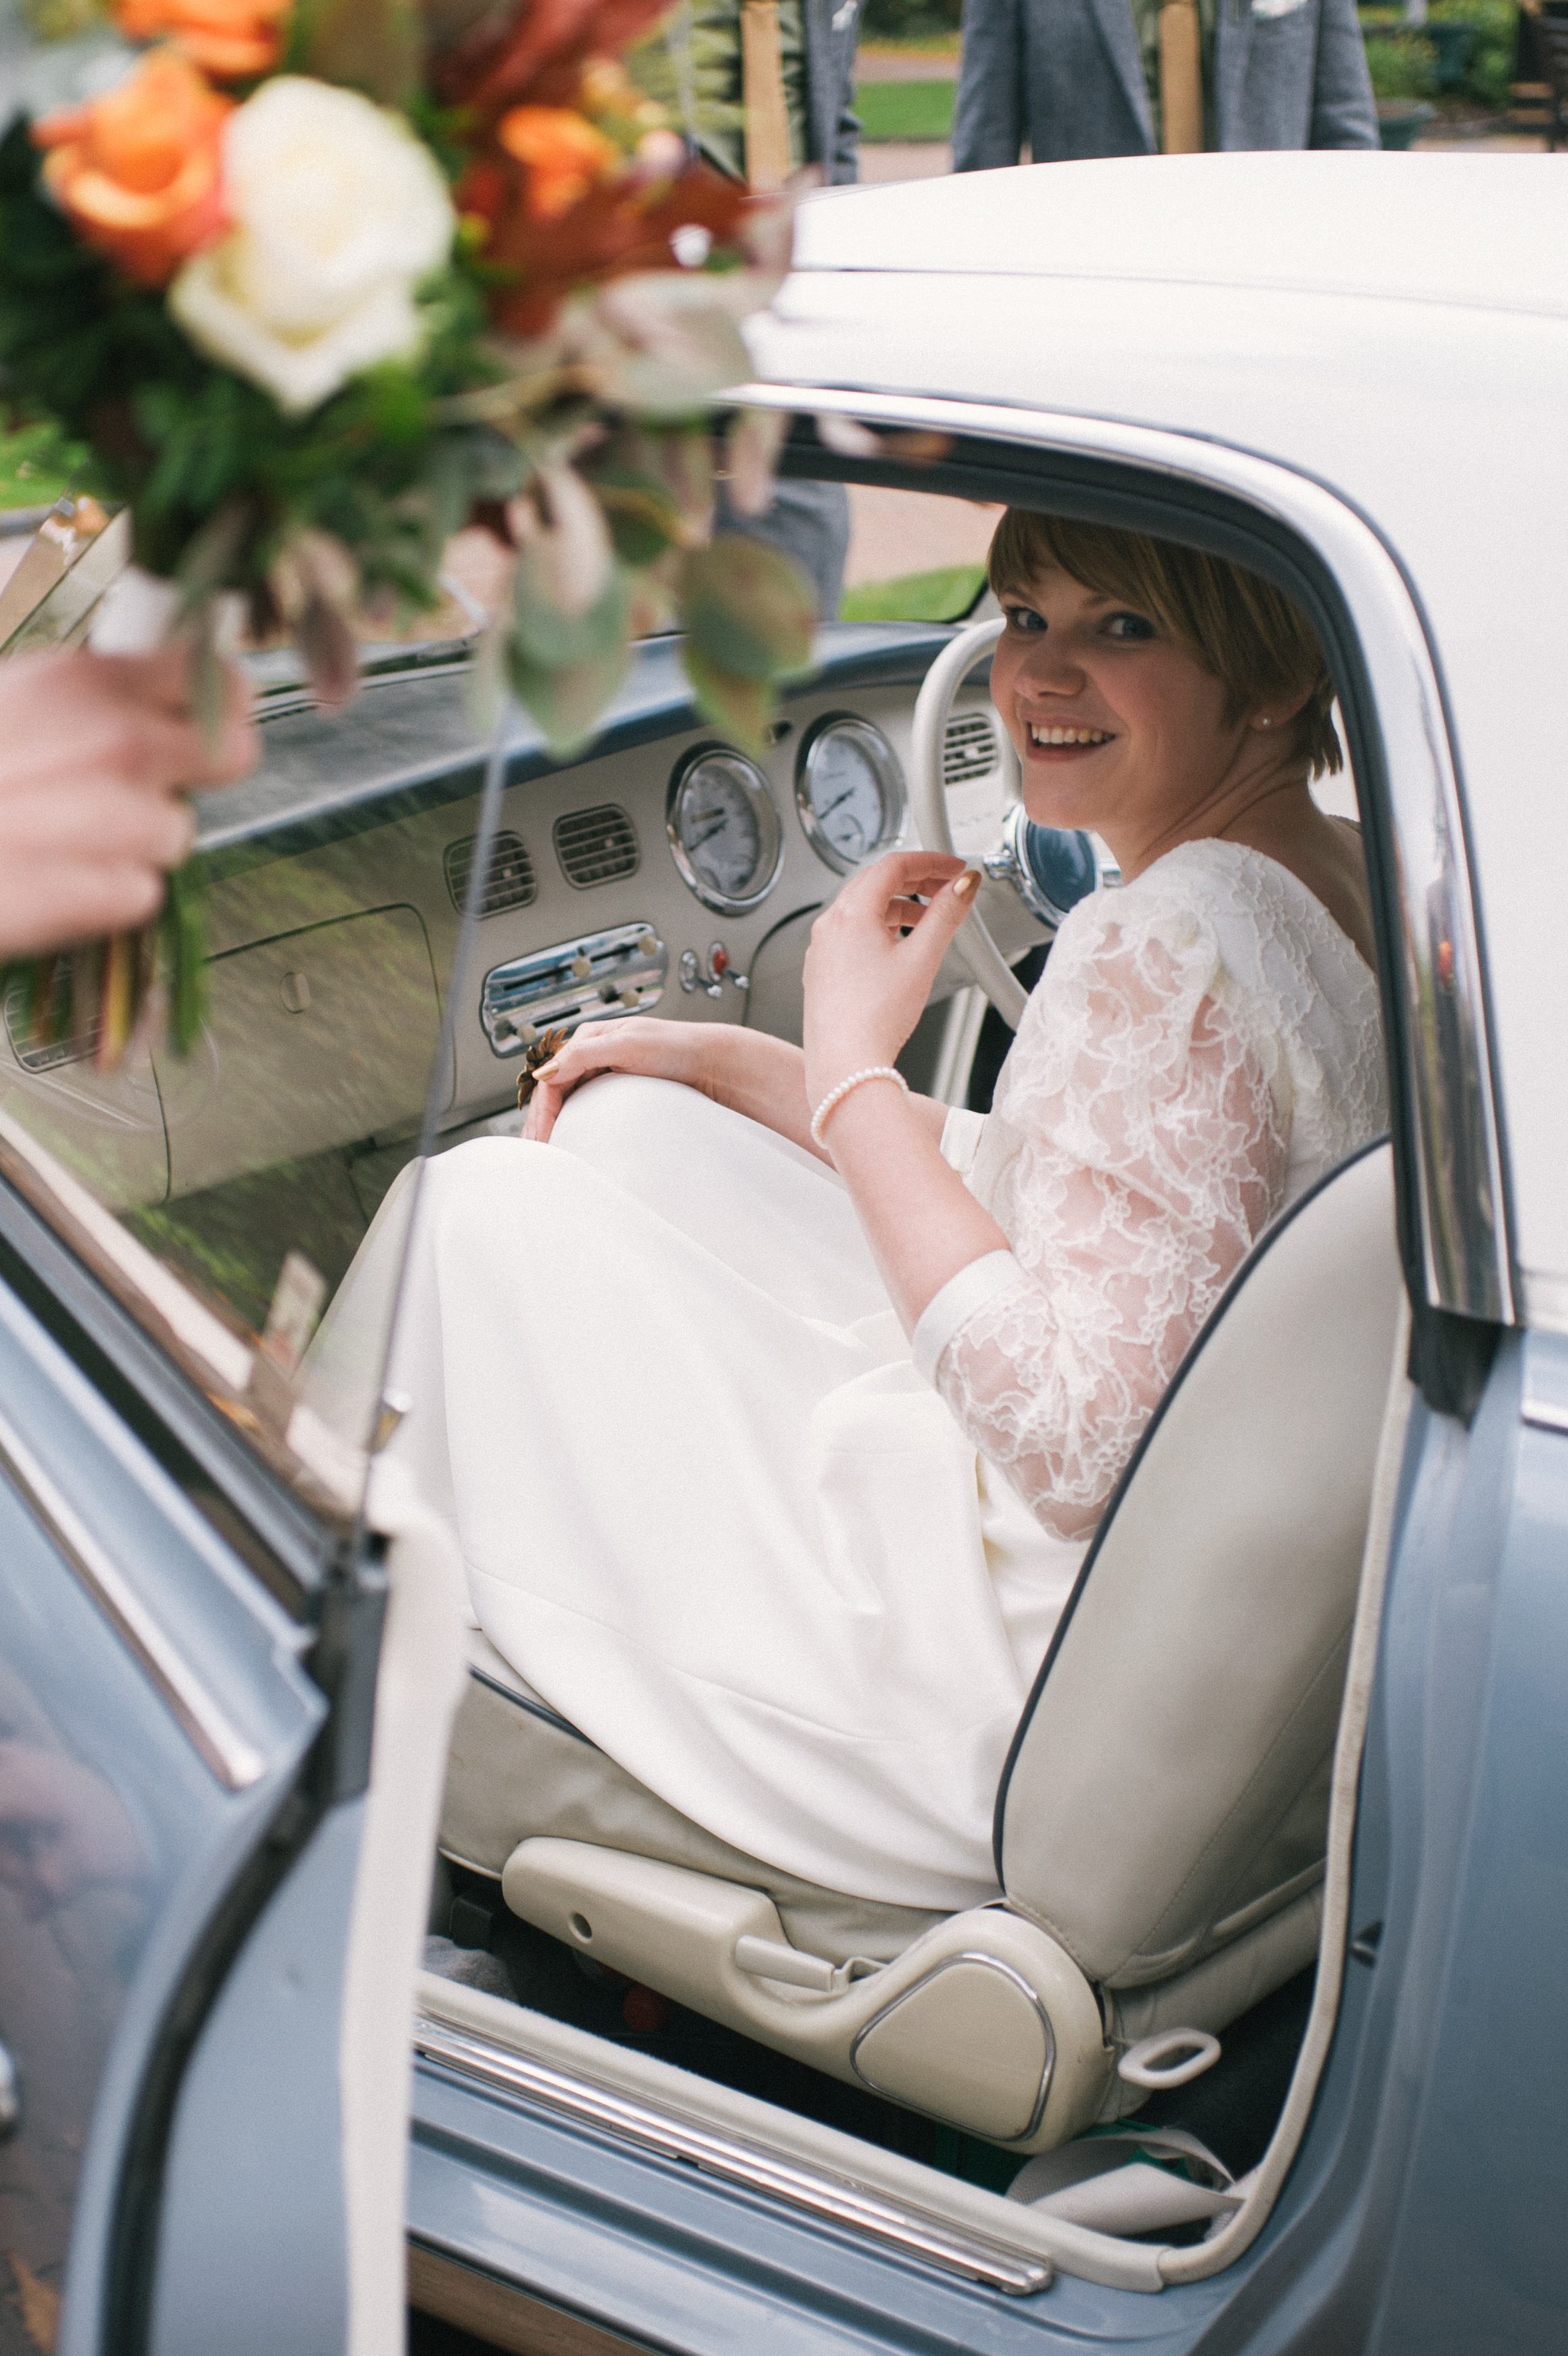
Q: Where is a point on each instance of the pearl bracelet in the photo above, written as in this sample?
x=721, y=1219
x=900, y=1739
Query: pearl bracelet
x=835, y=1097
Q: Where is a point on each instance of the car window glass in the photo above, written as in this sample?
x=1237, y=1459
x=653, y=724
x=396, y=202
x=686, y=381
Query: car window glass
x=105, y=1812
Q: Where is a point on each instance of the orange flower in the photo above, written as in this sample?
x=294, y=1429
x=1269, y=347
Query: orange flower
x=231, y=39
x=564, y=155
x=535, y=55
x=138, y=173
x=622, y=225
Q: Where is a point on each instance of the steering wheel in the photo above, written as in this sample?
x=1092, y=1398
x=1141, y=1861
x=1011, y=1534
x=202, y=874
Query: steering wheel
x=972, y=943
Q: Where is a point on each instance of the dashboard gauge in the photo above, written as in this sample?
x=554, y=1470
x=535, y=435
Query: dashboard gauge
x=723, y=829
x=849, y=789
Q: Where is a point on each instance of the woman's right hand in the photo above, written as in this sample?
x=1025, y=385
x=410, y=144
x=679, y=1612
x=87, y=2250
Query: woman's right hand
x=638, y=1043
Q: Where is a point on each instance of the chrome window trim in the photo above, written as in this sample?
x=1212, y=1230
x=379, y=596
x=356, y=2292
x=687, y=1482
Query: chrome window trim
x=1467, y=1260
x=732, y=2158
x=990, y=1964
x=236, y=1763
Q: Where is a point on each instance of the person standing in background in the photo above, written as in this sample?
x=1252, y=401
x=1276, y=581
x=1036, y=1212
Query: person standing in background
x=1083, y=78
x=764, y=89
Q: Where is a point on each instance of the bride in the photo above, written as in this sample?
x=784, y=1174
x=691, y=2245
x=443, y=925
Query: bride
x=774, y=1406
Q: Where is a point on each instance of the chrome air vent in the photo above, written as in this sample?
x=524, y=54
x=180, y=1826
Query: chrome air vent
x=595, y=846
x=590, y=979
x=511, y=882
x=968, y=748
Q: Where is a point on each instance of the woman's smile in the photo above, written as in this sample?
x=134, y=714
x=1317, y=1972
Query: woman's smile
x=1059, y=740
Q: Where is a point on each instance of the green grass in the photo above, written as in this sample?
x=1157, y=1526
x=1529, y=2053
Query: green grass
x=37, y=464
x=905, y=110
x=940, y=596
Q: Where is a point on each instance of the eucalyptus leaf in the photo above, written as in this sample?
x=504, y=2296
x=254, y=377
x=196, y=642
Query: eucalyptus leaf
x=644, y=520
x=567, y=700
x=743, y=708
x=750, y=610
x=545, y=636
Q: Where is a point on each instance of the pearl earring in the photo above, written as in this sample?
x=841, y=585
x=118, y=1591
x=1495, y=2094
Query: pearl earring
x=1265, y=723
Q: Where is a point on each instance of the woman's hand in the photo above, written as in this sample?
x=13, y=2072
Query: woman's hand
x=874, y=957
x=95, y=750
x=637, y=1043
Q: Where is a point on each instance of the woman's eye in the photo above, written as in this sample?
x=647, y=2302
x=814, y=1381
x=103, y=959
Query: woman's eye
x=1130, y=626
x=1023, y=618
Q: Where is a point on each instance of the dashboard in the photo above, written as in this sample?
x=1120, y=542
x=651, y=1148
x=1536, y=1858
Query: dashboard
x=667, y=871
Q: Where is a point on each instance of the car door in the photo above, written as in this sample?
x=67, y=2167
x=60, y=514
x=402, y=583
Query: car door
x=186, y=1665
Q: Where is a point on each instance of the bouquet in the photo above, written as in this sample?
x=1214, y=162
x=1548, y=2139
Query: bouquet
x=320, y=281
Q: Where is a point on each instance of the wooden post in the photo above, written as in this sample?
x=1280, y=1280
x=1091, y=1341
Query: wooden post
x=1181, y=78
x=762, y=95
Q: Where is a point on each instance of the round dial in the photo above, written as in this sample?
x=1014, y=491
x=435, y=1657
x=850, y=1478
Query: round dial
x=849, y=788
x=724, y=828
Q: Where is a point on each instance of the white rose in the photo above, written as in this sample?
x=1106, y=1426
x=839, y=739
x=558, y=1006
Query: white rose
x=339, y=211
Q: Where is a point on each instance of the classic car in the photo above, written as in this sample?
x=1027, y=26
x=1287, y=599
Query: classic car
x=1249, y=2053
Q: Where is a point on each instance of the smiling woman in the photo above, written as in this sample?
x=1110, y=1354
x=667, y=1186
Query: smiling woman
x=905, y=1352
x=1158, y=695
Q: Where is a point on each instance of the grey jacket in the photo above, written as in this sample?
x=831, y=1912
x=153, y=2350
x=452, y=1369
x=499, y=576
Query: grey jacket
x=832, y=129
x=1065, y=74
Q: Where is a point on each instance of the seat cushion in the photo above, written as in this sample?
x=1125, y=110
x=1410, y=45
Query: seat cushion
x=519, y=1769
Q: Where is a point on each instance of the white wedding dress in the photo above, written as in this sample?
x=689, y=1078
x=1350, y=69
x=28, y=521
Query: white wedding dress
x=794, y=1571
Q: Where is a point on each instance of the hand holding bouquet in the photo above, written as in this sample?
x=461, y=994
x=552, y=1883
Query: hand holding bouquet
x=320, y=281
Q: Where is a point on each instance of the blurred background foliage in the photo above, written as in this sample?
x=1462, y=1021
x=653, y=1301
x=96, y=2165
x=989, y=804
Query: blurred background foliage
x=936, y=21
x=37, y=464
x=1466, y=51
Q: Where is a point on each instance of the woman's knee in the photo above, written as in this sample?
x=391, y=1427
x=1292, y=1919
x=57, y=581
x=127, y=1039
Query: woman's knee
x=622, y=1120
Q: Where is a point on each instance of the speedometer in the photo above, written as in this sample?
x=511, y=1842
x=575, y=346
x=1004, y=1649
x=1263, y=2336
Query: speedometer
x=724, y=828
x=849, y=789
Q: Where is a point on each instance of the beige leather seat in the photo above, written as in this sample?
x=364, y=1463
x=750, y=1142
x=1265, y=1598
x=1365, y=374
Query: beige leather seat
x=1161, y=1821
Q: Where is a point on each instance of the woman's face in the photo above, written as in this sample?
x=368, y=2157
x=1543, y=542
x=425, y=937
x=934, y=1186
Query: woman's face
x=1117, y=728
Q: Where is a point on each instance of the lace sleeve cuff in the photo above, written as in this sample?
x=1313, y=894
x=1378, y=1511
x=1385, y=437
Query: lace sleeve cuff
x=956, y=1303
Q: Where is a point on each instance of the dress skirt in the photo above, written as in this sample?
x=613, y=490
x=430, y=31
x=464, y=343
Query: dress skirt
x=707, y=1506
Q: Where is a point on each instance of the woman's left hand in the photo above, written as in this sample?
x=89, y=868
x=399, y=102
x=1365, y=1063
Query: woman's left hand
x=874, y=957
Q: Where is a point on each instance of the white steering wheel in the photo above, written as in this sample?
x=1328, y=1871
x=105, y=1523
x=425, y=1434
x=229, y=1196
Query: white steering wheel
x=972, y=944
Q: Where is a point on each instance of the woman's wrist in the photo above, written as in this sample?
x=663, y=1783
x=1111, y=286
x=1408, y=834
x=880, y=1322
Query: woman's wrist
x=863, y=1075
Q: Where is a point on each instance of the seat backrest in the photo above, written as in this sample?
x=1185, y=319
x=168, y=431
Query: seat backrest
x=1167, y=1786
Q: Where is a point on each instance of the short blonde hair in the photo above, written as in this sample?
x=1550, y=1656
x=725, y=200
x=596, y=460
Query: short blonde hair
x=1241, y=628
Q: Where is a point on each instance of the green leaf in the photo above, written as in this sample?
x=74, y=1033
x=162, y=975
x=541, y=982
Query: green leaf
x=743, y=708
x=182, y=930
x=564, y=668
x=750, y=609
x=375, y=46
x=567, y=701
x=545, y=636
x=643, y=518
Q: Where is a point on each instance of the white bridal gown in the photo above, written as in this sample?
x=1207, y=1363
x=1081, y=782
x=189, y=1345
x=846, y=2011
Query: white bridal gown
x=794, y=1572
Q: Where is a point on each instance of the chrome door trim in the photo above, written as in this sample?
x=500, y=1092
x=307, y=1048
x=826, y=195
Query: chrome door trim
x=236, y=1763
x=1467, y=1256
x=835, y=2198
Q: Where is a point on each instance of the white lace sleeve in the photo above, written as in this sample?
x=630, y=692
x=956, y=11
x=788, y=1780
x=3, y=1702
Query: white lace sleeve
x=1147, y=1108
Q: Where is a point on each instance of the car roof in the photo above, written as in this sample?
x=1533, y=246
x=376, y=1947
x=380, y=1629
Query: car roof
x=1482, y=232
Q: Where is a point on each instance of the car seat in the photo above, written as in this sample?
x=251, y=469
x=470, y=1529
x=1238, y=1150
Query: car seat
x=1161, y=1821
